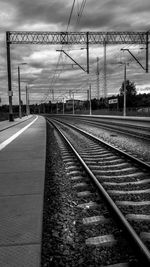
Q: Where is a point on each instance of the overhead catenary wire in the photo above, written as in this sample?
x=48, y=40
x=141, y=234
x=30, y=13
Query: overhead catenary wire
x=58, y=62
x=57, y=75
x=80, y=11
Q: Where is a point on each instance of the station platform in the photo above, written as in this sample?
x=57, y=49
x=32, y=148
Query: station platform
x=8, y=124
x=22, y=174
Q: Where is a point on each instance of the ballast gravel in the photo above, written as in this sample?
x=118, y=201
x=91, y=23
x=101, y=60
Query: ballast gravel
x=59, y=233
x=63, y=238
x=135, y=146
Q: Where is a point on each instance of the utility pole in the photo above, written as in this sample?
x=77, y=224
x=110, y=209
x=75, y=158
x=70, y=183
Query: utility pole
x=98, y=89
x=27, y=101
x=73, y=103
x=147, y=52
x=69, y=93
x=105, y=71
x=10, y=94
x=19, y=91
x=90, y=99
x=124, y=101
x=63, y=107
x=124, y=87
x=53, y=94
x=57, y=107
x=87, y=50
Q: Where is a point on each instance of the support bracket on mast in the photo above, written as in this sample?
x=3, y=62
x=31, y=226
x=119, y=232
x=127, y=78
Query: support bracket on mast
x=61, y=50
x=144, y=68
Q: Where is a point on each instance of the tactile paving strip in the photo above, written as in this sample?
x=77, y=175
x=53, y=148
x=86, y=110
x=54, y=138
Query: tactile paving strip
x=20, y=184
x=20, y=219
x=20, y=256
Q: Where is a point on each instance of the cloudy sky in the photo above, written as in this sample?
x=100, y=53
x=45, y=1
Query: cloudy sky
x=49, y=74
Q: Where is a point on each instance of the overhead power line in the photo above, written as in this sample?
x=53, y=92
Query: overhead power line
x=70, y=15
x=80, y=12
x=56, y=74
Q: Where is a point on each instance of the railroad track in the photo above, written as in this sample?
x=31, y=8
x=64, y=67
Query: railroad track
x=127, y=129
x=123, y=182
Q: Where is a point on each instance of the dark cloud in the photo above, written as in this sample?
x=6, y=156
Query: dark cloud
x=36, y=11
x=116, y=15
x=139, y=6
x=98, y=15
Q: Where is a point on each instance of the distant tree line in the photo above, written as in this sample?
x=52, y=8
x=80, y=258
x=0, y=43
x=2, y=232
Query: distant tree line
x=133, y=100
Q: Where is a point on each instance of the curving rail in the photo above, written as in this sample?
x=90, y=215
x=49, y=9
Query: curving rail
x=132, y=126
x=138, y=243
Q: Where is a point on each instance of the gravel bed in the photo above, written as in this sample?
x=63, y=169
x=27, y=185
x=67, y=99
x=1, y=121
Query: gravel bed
x=59, y=232
x=139, y=148
x=63, y=239
x=140, y=227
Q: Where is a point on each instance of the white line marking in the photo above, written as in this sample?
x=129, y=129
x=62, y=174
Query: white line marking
x=14, y=136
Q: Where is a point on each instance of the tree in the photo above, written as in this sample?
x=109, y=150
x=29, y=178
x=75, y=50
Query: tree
x=130, y=88
x=94, y=103
x=130, y=94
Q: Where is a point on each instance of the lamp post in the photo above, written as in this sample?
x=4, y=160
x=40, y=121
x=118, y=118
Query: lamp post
x=19, y=90
x=73, y=103
x=27, y=101
x=63, y=106
x=57, y=107
x=124, y=87
x=124, y=102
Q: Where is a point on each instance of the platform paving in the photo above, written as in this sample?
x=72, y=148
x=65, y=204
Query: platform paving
x=9, y=124
x=22, y=173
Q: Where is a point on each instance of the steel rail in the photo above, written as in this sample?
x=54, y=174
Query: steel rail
x=112, y=124
x=130, y=157
x=116, y=123
x=122, y=131
x=113, y=119
x=143, y=253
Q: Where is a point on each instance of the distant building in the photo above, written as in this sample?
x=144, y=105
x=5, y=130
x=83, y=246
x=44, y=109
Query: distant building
x=77, y=104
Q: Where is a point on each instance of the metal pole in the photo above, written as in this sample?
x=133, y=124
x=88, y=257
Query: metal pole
x=87, y=49
x=105, y=70
x=147, y=41
x=27, y=101
x=90, y=99
x=98, y=93
x=11, y=118
x=57, y=108
x=73, y=103
x=124, y=102
x=63, y=106
x=19, y=91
